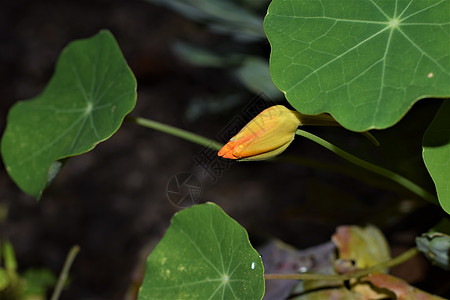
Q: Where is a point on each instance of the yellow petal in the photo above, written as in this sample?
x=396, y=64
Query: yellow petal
x=267, y=135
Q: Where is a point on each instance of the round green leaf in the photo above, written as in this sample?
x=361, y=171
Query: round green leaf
x=84, y=103
x=364, y=61
x=436, y=153
x=203, y=255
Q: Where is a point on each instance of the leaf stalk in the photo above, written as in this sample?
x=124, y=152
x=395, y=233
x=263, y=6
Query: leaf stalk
x=347, y=276
x=406, y=183
x=181, y=133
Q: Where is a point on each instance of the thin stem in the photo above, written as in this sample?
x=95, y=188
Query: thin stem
x=356, y=274
x=189, y=136
x=65, y=272
x=371, y=167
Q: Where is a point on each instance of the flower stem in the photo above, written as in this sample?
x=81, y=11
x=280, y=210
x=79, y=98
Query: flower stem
x=65, y=272
x=406, y=183
x=188, y=136
x=342, y=277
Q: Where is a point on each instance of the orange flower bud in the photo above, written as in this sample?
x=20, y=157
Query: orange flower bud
x=266, y=136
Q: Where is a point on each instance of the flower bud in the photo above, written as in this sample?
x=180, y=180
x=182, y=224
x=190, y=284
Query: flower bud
x=266, y=136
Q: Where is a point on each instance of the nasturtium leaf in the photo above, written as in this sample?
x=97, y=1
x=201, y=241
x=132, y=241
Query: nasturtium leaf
x=204, y=254
x=436, y=153
x=84, y=103
x=364, y=61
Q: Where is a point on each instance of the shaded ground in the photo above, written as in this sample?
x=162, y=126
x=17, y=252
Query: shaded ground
x=112, y=201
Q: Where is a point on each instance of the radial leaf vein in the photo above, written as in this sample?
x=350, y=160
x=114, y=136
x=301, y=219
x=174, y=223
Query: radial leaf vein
x=166, y=287
x=338, y=57
x=232, y=291
x=59, y=110
x=46, y=147
x=425, y=24
x=395, y=9
x=405, y=9
x=332, y=19
x=100, y=92
x=422, y=10
x=215, y=291
x=379, y=8
x=383, y=73
x=77, y=136
x=94, y=78
x=217, y=241
x=79, y=84
x=423, y=51
x=91, y=122
x=105, y=90
x=200, y=251
x=232, y=252
x=235, y=268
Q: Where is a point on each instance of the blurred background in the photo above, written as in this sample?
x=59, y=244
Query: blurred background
x=198, y=64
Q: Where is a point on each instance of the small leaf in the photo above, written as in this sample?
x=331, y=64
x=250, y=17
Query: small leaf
x=364, y=61
x=365, y=246
x=436, y=247
x=203, y=255
x=84, y=103
x=436, y=153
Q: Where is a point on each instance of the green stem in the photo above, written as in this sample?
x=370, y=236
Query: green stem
x=188, y=136
x=371, y=167
x=356, y=274
x=65, y=272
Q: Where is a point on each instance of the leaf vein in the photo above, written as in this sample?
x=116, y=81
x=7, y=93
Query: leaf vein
x=337, y=57
x=200, y=251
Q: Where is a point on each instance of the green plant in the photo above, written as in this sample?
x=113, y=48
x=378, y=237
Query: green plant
x=363, y=62
x=32, y=284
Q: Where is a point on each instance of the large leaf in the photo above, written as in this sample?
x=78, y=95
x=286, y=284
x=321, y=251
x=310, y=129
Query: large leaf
x=364, y=61
x=84, y=103
x=436, y=153
x=203, y=255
